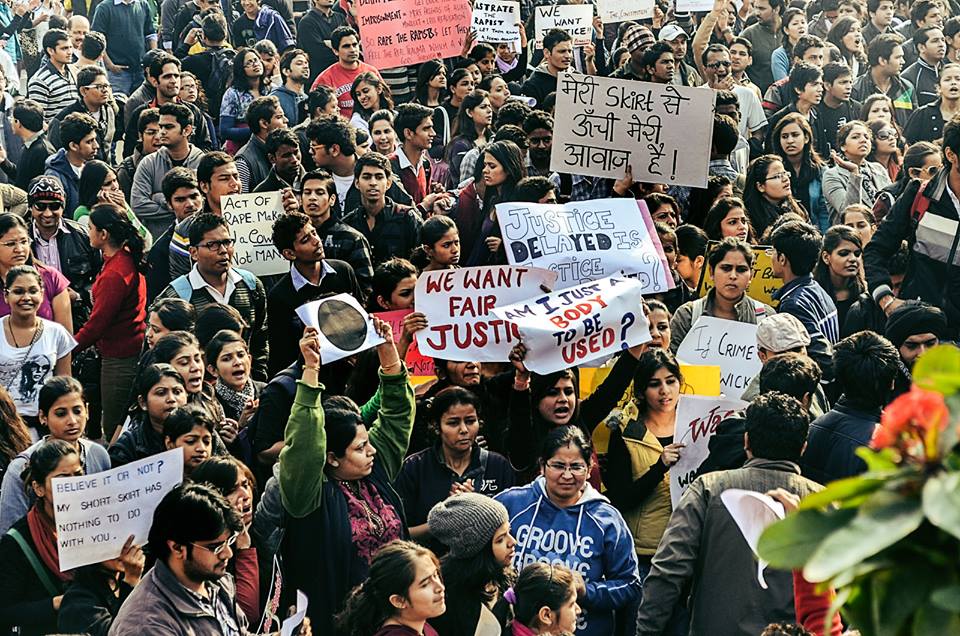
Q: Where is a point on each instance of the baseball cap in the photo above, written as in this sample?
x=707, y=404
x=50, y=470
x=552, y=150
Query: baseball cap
x=781, y=332
x=670, y=32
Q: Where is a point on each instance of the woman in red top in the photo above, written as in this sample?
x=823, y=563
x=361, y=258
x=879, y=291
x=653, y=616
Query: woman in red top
x=116, y=324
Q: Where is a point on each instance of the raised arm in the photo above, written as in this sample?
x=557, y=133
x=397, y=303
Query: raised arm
x=390, y=433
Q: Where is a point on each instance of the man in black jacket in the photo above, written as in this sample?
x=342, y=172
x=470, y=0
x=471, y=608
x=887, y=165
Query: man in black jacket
x=313, y=35
x=28, y=125
x=95, y=100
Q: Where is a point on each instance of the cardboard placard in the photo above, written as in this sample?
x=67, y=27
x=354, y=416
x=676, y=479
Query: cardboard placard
x=496, y=21
x=405, y=32
x=729, y=344
x=418, y=364
x=625, y=10
x=343, y=326
x=575, y=19
x=251, y=218
x=697, y=420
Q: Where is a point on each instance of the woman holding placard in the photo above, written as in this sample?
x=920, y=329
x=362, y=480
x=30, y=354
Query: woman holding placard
x=731, y=265
x=32, y=584
x=335, y=480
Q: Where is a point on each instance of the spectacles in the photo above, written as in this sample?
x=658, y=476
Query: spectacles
x=928, y=170
x=883, y=135
x=42, y=206
x=218, y=548
x=103, y=88
x=252, y=63
x=721, y=63
x=12, y=244
x=573, y=469
x=782, y=176
x=216, y=246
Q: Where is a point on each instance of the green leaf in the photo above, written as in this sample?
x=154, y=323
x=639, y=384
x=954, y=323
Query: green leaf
x=941, y=502
x=930, y=620
x=788, y=544
x=881, y=461
x=842, y=490
x=938, y=370
x=896, y=596
x=947, y=598
x=883, y=519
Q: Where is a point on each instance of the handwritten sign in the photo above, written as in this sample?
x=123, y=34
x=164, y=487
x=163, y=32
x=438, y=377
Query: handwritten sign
x=697, y=421
x=417, y=363
x=624, y=10
x=695, y=6
x=586, y=240
x=458, y=305
x=496, y=21
x=405, y=32
x=96, y=513
x=729, y=344
x=251, y=218
x=575, y=19
x=343, y=326
x=762, y=285
x=663, y=132
x=580, y=324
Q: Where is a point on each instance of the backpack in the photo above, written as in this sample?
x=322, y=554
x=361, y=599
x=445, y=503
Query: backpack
x=221, y=70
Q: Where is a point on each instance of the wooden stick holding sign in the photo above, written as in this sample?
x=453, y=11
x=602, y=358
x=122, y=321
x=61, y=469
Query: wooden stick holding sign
x=343, y=326
x=251, y=217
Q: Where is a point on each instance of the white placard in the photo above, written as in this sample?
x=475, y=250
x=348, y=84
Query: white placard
x=343, y=326
x=95, y=514
x=753, y=513
x=292, y=624
x=586, y=240
x=728, y=344
x=697, y=420
x=580, y=324
x=663, y=132
x=458, y=305
x=251, y=218
x=575, y=19
x=496, y=21
x=625, y=10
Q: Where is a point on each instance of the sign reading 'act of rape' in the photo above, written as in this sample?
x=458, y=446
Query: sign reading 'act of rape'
x=251, y=218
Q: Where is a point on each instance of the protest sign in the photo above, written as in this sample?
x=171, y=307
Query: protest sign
x=417, y=364
x=624, y=10
x=663, y=132
x=343, y=327
x=405, y=32
x=573, y=326
x=586, y=240
x=694, y=6
x=729, y=344
x=292, y=624
x=697, y=420
x=251, y=218
x=96, y=513
x=762, y=285
x=458, y=306
x=497, y=21
x=575, y=19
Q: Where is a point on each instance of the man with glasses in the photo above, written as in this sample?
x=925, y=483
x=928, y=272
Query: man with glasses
x=716, y=67
x=96, y=99
x=214, y=279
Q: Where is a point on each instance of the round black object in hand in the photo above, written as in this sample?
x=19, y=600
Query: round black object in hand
x=342, y=324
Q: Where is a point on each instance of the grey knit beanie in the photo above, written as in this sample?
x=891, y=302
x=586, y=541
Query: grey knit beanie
x=466, y=523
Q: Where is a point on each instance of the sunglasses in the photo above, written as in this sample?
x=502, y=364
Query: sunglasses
x=42, y=206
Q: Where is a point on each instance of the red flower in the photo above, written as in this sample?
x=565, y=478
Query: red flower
x=911, y=423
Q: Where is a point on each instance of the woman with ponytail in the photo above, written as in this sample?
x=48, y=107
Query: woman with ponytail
x=116, y=324
x=404, y=590
x=544, y=601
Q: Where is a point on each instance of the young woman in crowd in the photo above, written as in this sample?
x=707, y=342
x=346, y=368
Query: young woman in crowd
x=728, y=217
x=731, y=265
x=478, y=566
x=439, y=244
x=473, y=128
x=190, y=429
x=14, y=434
x=233, y=480
x=793, y=25
x=404, y=590
x=886, y=148
x=248, y=82
x=512, y=64
x=768, y=194
x=394, y=282
x=502, y=169
x=459, y=86
x=116, y=324
x=63, y=412
x=861, y=219
x=845, y=35
x=160, y=391
x=370, y=94
x=191, y=92
x=228, y=360
x=431, y=85
x=382, y=133
x=562, y=505
x=455, y=463
x=877, y=107
x=853, y=178
x=921, y=161
x=641, y=451
x=33, y=348
x=99, y=185
x=32, y=586
x=663, y=208
x=658, y=318
x=166, y=315
x=14, y=251
x=335, y=478
x=792, y=142
x=840, y=269
x=544, y=601
x=497, y=90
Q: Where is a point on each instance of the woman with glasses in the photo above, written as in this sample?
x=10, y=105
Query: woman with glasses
x=853, y=178
x=922, y=161
x=116, y=324
x=767, y=193
x=886, y=148
x=247, y=83
x=561, y=518
x=14, y=251
x=926, y=123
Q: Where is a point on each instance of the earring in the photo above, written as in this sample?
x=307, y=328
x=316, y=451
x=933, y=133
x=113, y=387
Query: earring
x=335, y=464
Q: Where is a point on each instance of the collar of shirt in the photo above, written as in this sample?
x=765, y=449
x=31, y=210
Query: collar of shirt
x=197, y=283
x=61, y=228
x=405, y=162
x=933, y=69
x=299, y=281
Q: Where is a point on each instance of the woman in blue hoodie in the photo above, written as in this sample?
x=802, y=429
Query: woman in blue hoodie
x=561, y=519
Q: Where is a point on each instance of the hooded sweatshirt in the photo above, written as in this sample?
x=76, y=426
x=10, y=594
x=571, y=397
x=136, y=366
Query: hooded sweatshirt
x=590, y=537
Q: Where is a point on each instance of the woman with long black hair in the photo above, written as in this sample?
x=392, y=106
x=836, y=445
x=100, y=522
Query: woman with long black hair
x=473, y=128
x=792, y=140
x=503, y=168
x=247, y=83
x=370, y=94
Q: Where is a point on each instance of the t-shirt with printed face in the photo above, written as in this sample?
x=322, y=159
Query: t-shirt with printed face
x=23, y=370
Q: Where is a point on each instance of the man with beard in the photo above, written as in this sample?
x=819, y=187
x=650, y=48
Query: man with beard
x=295, y=69
x=716, y=68
x=913, y=328
x=340, y=75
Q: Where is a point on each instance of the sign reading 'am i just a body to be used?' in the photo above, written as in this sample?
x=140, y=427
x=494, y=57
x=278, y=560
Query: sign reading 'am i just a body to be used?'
x=404, y=32
x=663, y=132
x=579, y=324
x=251, y=218
x=586, y=240
x=96, y=513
